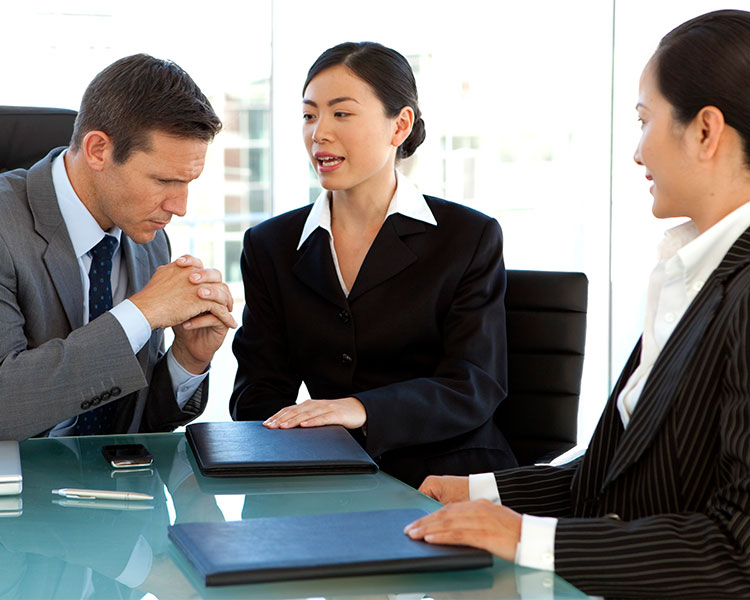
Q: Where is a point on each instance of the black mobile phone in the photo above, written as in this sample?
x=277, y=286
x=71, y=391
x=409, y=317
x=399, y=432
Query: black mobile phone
x=127, y=456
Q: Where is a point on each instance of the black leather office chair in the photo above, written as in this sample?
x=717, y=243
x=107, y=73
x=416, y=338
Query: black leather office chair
x=546, y=325
x=27, y=134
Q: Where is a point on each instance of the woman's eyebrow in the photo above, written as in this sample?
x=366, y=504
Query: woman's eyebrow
x=331, y=102
x=341, y=99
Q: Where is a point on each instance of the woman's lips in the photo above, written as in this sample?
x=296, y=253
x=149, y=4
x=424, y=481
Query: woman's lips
x=328, y=162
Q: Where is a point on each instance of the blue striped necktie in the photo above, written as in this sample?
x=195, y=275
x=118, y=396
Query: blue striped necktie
x=100, y=420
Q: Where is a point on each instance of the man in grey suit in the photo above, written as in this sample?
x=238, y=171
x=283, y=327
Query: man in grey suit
x=81, y=333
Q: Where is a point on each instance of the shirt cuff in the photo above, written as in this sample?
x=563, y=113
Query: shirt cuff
x=483, y=486
x=537, y=546
x=133, y=323
x=184, y=383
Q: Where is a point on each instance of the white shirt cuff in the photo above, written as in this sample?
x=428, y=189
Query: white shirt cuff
x=133, y=323
x=536, y=549
x=483, y=486
x=184, y=383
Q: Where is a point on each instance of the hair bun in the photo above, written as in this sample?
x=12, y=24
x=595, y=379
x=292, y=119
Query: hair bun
x=415, y=139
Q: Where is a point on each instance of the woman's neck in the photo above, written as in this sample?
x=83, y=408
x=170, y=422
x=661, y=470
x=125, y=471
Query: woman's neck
x=364, y=206
x=726, y=191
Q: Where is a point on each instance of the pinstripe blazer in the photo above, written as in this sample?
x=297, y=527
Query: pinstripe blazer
x=663, y=508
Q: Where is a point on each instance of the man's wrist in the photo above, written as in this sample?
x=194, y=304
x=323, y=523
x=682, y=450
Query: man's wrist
x=184, y=383
x=133, y=323
x=187, y=361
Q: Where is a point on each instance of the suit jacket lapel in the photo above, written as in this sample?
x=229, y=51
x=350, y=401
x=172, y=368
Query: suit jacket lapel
x=315, y=268
x=665, y=378
x=136, y=262
x=59, y=258
x=670, y=367
x=606, y=438
x=388, y=255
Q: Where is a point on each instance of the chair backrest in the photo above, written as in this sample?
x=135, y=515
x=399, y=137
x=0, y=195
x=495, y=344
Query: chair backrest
x=546, y=329
x=27, y=134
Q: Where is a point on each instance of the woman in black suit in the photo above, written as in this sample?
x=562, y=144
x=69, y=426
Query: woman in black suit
x=386, y=303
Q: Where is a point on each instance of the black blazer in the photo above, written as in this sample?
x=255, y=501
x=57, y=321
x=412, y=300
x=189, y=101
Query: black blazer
x=420, y=340
x=663, y=508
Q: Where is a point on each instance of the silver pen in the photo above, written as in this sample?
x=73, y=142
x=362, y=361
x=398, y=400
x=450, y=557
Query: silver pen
x=101, y=494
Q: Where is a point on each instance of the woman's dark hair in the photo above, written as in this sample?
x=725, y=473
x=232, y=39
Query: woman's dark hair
x=139, y=94
x=389, y=75
x=706, y=62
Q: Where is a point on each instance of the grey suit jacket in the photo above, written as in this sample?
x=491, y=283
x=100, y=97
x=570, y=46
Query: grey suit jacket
x=52, y=367
x=662, y=508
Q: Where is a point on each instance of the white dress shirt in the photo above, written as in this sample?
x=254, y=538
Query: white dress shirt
x=686, y=260
x=85, y=233
x=407, y=200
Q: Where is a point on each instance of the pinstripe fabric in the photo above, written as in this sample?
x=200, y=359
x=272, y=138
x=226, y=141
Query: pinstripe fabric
x=678, y=479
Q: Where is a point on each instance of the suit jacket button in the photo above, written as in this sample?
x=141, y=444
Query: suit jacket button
x=105, y=396
x=614, y=516
x=115, y=391
x=345, y=359
x=345, y=316
x=95, y=400
x=85, y=405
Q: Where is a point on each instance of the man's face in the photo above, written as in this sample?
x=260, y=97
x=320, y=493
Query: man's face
x=141, y=194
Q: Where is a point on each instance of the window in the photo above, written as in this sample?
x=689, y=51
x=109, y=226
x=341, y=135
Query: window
x=528, y=111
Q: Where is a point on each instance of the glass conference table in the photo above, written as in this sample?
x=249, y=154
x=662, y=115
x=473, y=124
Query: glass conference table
x=53, y=547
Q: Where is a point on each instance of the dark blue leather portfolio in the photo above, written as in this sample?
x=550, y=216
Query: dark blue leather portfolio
x=312, y=546
x=246, y=448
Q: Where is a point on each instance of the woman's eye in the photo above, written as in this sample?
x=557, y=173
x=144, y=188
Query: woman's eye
x=307, y=116
x=339, y=113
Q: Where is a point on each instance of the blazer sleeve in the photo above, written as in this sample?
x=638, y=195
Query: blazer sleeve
x=542, y=491
x=44, y=385
x=470, y=379
x=162, y=413
x=265, y=382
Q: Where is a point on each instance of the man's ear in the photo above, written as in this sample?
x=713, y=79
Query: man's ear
x=97, y=149
x=709, y=127
x=404, y=123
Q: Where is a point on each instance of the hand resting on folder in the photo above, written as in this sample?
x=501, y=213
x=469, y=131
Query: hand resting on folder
x=481, y=524
x=348, y=412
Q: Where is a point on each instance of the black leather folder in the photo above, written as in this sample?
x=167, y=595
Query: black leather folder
x=246, y=448
x=313, y=546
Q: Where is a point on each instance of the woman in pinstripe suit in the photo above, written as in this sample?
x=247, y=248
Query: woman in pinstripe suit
x=660, y=503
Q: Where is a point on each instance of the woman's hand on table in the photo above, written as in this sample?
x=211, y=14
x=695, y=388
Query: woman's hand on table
x=348, y=412
x=478, y=523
